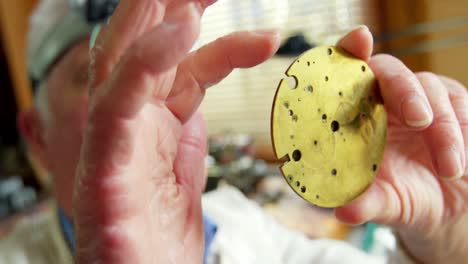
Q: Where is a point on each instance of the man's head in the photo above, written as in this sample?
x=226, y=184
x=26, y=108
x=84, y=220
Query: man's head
x=53, y=128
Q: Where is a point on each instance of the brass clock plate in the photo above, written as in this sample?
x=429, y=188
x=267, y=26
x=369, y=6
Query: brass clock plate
x=330, y=125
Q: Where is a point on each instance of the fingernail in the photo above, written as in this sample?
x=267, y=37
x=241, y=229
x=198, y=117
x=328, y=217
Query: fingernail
x=449, y=164
x=416, y=112
x=360, y=27
x=363, y=27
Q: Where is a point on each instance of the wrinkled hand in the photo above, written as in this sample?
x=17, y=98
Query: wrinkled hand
x=419, y=189
x=141, y=172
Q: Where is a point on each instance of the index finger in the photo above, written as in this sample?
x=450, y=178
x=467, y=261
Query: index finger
x=358, y=42
x=130, y=20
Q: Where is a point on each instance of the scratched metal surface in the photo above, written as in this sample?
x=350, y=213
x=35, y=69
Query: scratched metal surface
x=330, y=126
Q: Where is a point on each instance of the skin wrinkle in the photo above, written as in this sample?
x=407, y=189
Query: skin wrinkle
x=435, y=216
x=387, y=191
x=182, y=94
x=407, y=212
x=458, y=95
x=167, y=81
x=444, y=120
x=415, y=213
x=164, y=163
x=422, y=242
x=192, y=186
x=165, y=220
x=418, y=214
x=168, y=196
x=406, y=207
x=450, y=198
x=192, y=77
x=194, y=143
x=464, y=121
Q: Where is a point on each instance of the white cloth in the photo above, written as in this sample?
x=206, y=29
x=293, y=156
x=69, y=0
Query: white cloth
x=247, y=235
x=47, y=15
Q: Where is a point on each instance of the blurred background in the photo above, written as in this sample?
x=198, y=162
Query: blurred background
x=428, y=35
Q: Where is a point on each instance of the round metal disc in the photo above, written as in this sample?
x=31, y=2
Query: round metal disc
x=330, y=125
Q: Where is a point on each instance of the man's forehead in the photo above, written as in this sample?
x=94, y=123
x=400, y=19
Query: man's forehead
x=77, y=53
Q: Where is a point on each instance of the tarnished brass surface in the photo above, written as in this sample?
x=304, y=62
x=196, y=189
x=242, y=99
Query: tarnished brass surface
x=330, y=126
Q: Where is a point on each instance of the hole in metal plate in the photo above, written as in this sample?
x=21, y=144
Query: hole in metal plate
x=335, y=126
x=296, y=155
x=292, y=82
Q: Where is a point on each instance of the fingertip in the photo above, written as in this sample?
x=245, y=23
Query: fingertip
x=247, y=48
x=358, y=42
x=271, y=40
x=347, y=216
x=352, y=214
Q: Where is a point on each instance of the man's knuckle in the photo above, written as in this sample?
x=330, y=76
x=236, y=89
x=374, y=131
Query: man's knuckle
x=402, y=85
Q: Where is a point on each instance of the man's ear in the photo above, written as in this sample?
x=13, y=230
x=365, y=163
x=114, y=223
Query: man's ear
x=32, y=129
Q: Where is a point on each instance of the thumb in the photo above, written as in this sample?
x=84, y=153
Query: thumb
x=358, y=42
x=385, y=203
x=189, y=165
x=189, y=168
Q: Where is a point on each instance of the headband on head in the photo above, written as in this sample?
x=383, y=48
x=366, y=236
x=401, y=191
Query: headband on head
x=56, y=25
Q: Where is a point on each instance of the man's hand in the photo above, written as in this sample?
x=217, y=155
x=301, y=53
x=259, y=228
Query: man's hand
x=419, y=189
x=141, y=172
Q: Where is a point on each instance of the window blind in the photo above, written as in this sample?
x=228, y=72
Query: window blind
x=242, y=102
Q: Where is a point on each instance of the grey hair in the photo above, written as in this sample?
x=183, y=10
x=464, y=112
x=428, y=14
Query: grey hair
x=41, y=102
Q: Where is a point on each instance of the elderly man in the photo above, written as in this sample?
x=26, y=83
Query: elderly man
x=129, y=145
